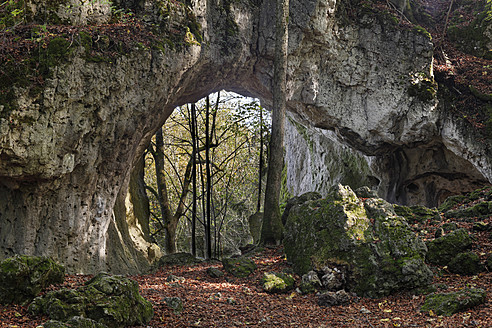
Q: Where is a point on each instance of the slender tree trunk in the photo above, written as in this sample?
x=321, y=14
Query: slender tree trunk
x=208, y=230
x=271, y=232
x=194, y=139
x=167, y=216
x=260, y=165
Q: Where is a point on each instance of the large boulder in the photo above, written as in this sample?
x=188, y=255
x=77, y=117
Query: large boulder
x=450, y=303
x=366, y=239
x=443, y=249
x=22, y=278
x=110, y=300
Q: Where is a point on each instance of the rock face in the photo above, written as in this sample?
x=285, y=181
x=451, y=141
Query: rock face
x=110, y=300
x=356, y=77
x=22, y=278
x=360, y=247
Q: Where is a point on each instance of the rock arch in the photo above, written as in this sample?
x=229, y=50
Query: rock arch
x=66, y=155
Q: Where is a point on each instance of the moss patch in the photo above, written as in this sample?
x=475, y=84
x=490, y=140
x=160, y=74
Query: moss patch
x=451, y=303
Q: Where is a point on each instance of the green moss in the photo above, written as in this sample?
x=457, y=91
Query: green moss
x=419, y=29
x=277, y=282
x=423, y=87
x=451, y=303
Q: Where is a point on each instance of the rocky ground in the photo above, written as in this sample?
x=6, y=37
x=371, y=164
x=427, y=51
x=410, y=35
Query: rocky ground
x=228, y=301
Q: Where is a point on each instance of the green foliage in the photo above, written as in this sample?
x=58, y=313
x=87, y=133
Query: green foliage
x=12, y=13
x=235, y=161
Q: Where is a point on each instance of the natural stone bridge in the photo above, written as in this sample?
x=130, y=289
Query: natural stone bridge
x=360, y=93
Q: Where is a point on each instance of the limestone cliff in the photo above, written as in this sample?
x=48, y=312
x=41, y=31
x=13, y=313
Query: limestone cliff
x=68, y=142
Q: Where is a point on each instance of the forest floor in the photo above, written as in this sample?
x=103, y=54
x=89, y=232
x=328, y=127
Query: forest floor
x=240, y=302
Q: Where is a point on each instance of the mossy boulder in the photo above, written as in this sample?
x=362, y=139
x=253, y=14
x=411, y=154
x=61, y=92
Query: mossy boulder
x=479, y=210
x=443, y=249
x=240, y=267
x=22, y=277
x=450, y=303
x=110, y=300
x=417, y=213
x=465, y=263
x=277, y=282
x=378, y=247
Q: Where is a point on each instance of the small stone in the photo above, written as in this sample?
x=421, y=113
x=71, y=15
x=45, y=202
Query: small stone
x=215, y=273
x=332, y=279
x=173, y=278
x=364, y=310
x=174, y=303
x=442, y=250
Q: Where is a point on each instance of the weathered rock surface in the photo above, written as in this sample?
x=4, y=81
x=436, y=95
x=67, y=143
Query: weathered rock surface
x=355, y=77
x=451, y=303
x=111, y=300
x=22, y=278
x=367, y=248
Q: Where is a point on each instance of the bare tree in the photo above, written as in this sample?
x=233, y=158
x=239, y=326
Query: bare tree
x=271, y=232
